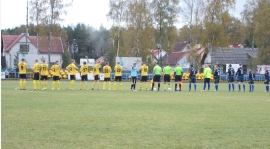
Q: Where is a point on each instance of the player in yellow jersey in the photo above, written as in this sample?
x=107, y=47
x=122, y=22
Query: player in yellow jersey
x=44, y=74
x=144, y=76
x=72, y=72
x=22, y=73
x=107, y=75
x=118, y=76
x=36, y=69
x=56, y=73
x=84, y=74
x=96, y=75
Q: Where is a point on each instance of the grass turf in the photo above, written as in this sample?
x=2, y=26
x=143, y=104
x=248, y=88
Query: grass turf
x=125, y=119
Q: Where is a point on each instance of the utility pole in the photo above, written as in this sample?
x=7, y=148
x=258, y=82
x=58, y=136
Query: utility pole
x=27, y=47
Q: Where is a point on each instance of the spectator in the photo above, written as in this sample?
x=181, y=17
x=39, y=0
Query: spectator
x=7, y=73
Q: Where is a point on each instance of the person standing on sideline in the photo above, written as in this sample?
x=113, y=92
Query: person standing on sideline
x=133, y=77
x=36, y=69
x=84, y=74
x=44, y=74
x=6, y=73
x=192, y=77
x=230, y=78
x=240, y=74
x=266, y=78
x=118, y=76
x=251, y=78
x=96, y=75
x=207, y=75
x=107, y=75
x=178, y=71
x=22, y=74
x=216, y=77
x=167, y=76
x=56, y=73
x=144, y=74
x=156, y=75
x=72, y=73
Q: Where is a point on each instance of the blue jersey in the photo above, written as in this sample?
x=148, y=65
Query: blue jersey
x=231, y=72
x=251, y=75
x=192, y=72
x=134, y=71
x=266, y=75
x=240, y=72
x=217, y=73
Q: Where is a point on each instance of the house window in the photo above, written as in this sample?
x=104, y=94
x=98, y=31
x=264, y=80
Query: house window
x=24, y=48
x=188, y=47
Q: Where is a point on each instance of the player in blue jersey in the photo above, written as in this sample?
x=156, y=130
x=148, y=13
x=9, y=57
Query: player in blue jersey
x=216, y=77
x=240, y=74
x=251, y=78
x=230, y=78
x=266, y=78
x=133, y=77
x=192, y=77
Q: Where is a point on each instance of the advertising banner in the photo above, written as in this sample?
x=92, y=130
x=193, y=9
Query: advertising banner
x=127, y=62
x=261, y=69
x=90, y=62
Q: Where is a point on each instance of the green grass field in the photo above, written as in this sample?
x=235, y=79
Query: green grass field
x=125, y=119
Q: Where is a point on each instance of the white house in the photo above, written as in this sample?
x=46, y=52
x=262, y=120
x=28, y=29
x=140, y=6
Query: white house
x=16, y=46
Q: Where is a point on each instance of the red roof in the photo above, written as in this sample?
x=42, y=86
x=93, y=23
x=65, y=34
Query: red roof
x=56, y=47
x=100, y=59
x=156, y=52
x=179, y=46
x=173, y=58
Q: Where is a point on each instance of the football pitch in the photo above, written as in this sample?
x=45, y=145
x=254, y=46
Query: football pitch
x=125, y=119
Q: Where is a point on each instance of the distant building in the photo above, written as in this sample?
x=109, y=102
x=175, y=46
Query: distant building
x=28, y=47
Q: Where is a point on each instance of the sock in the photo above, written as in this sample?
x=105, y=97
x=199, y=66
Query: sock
x=58, y=84
x=43, y=84
x=121, y=86
x=169, y=85
x=38, y=84
x=252, y=87
x=195, y=86
x=267, y=88
x=233, y=87
x=175, y=86
x=34, y=84
x=146, y=86
x=153, y=84
x=204, y=85
x=98, y=84
x=114, y=86
x=140, y=85
x=81, y=85
x=134, y=86
x=180, y=86
x=53, y=84
x=104, y=85
x=109, y=85
x=158, y=86
x=208, y=86
x=24, y=83
x=244, y=87
x=70, y=84
x=85, y=85
x=229, y=87
x=131, y=86
x=46, y=82
x=93, y=85
x=189, y=86
x=239, y=87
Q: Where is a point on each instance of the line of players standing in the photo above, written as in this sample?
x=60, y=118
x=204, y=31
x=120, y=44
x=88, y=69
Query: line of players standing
x=157, y=72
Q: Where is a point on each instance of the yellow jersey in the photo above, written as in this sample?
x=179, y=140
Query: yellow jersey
x=144, y=70
x=84, y=69
x=55, y=70
x=72, y=69
x=43, y=69
x=22, y=67
x=118, y=70
x=36, y=68
x=107, y=71
x=96, y=69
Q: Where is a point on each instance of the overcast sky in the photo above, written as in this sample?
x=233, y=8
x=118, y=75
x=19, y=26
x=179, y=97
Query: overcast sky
x=89, y=12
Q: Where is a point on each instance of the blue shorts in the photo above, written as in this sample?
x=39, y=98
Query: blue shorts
x=192, y=80
x=251, y=81
x=217, y=80
x=231, y=79
x=240, y=79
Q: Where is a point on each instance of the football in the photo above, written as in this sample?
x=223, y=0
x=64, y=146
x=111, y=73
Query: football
x=155, y=89
x=169, y=89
